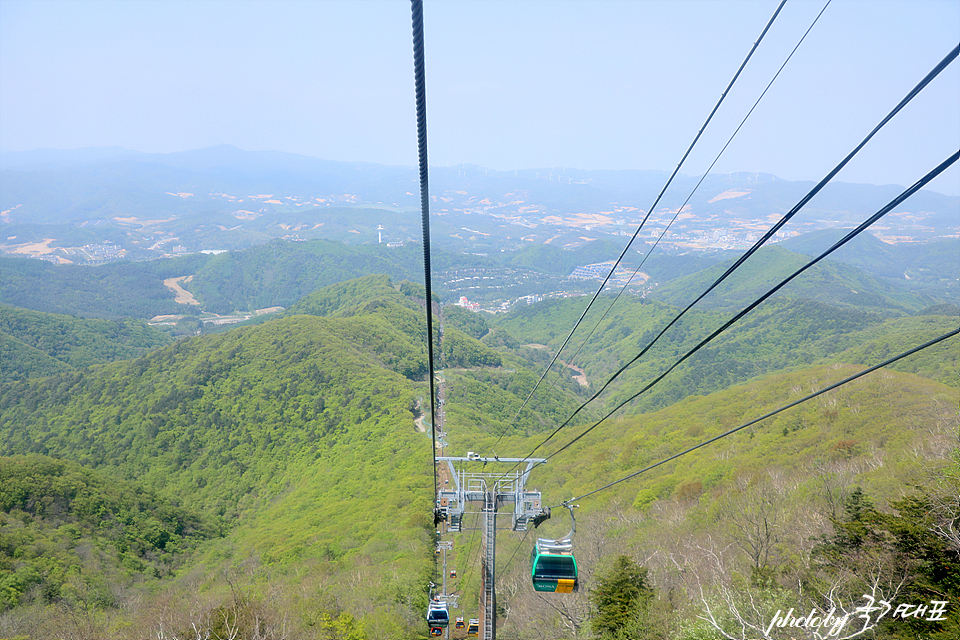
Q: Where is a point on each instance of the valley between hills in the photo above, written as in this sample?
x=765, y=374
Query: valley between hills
x=274, y=477
x=271, y=478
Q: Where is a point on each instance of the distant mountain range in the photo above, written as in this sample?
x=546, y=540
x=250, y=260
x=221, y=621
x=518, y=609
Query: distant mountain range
x=102, y=204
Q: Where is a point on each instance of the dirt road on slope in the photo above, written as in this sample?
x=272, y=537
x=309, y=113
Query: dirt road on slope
x=183, y=296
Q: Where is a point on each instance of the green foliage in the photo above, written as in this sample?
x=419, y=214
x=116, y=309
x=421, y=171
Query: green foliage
x=460, y=350
x=829, y=282
x=315, y=410
x=296, y=436
x=111, y=291
x=349, y=297
x=943, y=309
x=204, y=410
x=883, y=341
x=920, y=264
x=19, y=361
x=780, y=334
x=551, y=259
x=469, y=322
x=621, y=594
x=910, y=546
x=281, y=273
x=492, y=398
x=51, y=510
x=34, y=343
x=497, y=337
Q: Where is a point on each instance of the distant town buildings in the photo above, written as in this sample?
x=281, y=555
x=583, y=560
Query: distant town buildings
x=600, y=270
x=466, y=304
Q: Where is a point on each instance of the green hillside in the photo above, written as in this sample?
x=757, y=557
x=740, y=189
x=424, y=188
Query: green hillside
x=35, y=343
x=19, y=361
x=244, y=424
x=347, y=297
x=297, y=436
x=552, y=259
x=301, y=446
x=763, y=519
x=829, y=282
x=866, y=252
x=782, y=334
x=281, y=273
x=70, y=534
x=111, y=291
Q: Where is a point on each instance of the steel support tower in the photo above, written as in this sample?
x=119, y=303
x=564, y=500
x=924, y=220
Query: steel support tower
x=492, y=490
x=488, y=566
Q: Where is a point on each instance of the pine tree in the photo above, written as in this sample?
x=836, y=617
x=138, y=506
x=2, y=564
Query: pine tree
x=618, y=595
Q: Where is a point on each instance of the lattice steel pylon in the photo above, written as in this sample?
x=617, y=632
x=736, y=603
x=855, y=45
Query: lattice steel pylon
x=492, y=490
x=488, y=565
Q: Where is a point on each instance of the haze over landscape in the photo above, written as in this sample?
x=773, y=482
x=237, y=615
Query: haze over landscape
x=608, y=85
x=215, y=390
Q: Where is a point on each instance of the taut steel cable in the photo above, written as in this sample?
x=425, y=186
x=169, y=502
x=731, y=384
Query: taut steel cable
x=419, y=76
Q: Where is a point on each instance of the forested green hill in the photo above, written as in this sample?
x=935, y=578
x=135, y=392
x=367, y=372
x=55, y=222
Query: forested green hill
x=347, y=298
x=281, y=273
x=299, y=437
x=111, y=291
x=933, y=260
x=830, y=282
x=783, y=334
x=552, y=259
x=33, y=343
x=197, y=415
x=71, y=533
x=231, y=424
x=19, y=361
x=301, y=443
x=806, y=509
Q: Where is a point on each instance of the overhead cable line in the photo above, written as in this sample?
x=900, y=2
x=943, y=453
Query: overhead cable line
x=852, y=234
x=696, y=187
x=831, y=387
x=419, y=75
x=649, y=211
x=776, y=227
x=503, y=569
x=472, y=558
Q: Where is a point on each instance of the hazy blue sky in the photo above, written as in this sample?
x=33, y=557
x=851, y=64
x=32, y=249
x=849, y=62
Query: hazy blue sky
x=510, y=84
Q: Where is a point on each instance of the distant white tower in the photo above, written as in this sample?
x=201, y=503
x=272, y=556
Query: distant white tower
x=379, y=234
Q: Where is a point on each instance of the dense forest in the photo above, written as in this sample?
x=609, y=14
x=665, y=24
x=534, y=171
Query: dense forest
x=34, y=343
x=112, y=291
x=280, y=273
x=275, y=480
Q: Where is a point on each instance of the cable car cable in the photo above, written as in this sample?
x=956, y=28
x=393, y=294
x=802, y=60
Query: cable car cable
x=420, y=88
x=652, y=207
x=831, y=387
x=847, y=238
x=950, y=57
x=695, y=188
x=503, y=568
x=471, y=558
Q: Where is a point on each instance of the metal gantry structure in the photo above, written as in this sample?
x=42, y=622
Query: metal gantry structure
x=490, y=490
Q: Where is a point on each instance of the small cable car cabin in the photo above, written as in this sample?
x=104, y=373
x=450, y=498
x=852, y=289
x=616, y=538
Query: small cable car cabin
x=473, y=629
x=437, y=614
x=553, y=567
x=552, y=564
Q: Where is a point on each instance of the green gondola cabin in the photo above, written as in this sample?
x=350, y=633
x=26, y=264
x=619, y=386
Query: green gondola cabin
x=553, y=567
